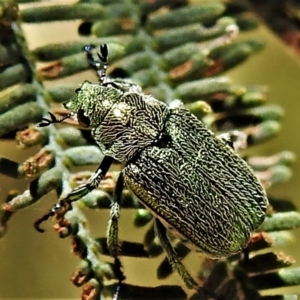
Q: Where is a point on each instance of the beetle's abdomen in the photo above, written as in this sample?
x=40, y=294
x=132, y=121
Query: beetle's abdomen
x=199, y=188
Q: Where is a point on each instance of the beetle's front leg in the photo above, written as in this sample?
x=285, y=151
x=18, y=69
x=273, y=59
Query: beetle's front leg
x=63, y=205
x=112, y=230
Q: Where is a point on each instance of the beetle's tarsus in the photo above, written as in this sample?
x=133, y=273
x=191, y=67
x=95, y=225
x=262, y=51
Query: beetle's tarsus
x=58, y=209
x=39, y=221
x=120, y=275
x=62, y=207
x=37, y=224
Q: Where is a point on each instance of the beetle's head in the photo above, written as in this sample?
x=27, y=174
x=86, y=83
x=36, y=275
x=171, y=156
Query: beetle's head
x=92, y=103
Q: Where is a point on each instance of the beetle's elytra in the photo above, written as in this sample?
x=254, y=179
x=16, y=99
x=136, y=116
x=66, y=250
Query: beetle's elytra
x=197, y=188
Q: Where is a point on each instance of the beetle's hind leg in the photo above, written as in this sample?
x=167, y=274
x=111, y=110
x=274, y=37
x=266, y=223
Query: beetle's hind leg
x=173, y=258
x=112, y=230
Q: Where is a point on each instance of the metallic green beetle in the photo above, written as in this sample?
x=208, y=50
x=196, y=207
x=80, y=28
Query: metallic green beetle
x=194, y=184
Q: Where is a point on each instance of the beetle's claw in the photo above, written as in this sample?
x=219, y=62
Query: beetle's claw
x=39, y=221
x=59, y=210
x=37, y=227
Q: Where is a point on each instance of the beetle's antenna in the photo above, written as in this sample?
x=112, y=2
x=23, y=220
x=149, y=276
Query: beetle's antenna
x=102, y=55
x=53, y=119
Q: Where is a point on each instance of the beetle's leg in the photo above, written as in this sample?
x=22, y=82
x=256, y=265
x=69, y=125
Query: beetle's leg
x=112, y=230
x=173, y=258
x=119, y=274
x=246, y=255
x=235, y=139
x=77, y=193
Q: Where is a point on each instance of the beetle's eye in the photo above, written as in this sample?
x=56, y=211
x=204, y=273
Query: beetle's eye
x=83, y=120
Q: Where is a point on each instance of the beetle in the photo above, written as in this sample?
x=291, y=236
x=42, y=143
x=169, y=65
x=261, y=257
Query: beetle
x=197, y=188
